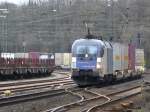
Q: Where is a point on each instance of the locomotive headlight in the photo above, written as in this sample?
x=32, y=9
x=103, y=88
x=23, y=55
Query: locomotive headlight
x=98, y=66
x=73, y=65
x=73, y=59
x=99, y=60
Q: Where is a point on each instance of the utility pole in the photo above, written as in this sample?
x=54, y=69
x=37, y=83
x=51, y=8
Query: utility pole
x=112, y=17
x=138, y=40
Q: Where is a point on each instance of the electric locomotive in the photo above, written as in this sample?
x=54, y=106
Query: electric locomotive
x=91, y=61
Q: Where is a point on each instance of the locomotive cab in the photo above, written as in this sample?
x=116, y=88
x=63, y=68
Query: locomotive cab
x=88, y=56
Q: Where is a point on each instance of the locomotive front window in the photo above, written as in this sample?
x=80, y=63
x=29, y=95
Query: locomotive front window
x=92, y=50
x=82, y=50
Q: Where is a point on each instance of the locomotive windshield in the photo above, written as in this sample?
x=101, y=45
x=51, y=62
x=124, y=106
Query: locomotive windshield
x=90, y=50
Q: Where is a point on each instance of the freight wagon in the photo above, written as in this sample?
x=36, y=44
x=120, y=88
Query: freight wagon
x=30, y=64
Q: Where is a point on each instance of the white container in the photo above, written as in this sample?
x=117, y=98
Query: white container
x=46, y=56
x=21, y=55
x=67, y=59
x=58, y=59
x=124, y=57
x=139, y=60
x=7, y=55
x=117, y=66
x=43, y=56
x=139, y=57
x=107, y=60
x=63, y=60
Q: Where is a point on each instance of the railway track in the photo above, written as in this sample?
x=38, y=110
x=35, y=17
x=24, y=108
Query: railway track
x=83, y=98
x=33, y=87
x=22, y=82
x=115, y=97
x=47, y=92
x=85, y=103
x=35, y=92
x=84, y=92
x=50, y=90
x=26, y=97
x=35, y=84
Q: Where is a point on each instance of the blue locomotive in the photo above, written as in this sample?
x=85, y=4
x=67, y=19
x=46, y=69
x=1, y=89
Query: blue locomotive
x=95, y=60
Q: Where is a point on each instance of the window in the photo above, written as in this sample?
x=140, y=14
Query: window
x=86, y=50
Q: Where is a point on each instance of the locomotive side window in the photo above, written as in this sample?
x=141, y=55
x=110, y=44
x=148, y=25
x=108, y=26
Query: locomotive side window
x=101, y=52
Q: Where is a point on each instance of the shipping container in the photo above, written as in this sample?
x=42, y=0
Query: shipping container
x=46, y=56
x=63, y=60
x=34, y=55
x=7, y=55
x=46, y=59
x=21, y=55
x=131, y=55
x=124, y=56
x=108, y=59
x=58, y=59
x=139, y=57
x=117, y=66
x=139, y=60
x=67, y=59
